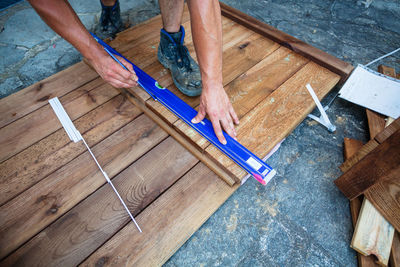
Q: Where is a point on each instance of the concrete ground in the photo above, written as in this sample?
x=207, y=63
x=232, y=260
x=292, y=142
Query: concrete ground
x=300, y=218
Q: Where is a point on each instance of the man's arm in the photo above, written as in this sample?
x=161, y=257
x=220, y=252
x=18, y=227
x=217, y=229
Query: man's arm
x=60, y=16
x=207, y=38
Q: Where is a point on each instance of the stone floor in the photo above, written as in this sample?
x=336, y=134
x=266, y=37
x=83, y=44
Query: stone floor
x=300, y=218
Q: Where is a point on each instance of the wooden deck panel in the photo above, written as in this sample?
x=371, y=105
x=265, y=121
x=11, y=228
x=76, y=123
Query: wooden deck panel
x=57, y=208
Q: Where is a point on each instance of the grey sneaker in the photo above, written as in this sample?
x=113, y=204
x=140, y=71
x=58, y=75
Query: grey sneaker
x=174, y=55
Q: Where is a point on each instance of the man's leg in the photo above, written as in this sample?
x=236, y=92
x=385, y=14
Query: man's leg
x=110, y=20
x=171, y=12
x=173, y=54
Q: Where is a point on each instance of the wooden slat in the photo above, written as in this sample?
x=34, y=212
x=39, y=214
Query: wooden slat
x=387, y=71
x=383, y=163
x=376, y=123
x=30, y=212
x=180, y=212
x=39, y=160
x=351, y=146
x=389, y=130
x=330, y=62
x=277, y=115
x=385, y=195
x=78, y=233
x=35, y=96
x=373, y=234
x=395, y=254
x=35, y=126
x=182, y=140
x=253, y=86
x=360, y=154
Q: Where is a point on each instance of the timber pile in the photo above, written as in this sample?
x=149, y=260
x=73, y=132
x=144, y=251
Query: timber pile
x=374, y=234
x=56, y=208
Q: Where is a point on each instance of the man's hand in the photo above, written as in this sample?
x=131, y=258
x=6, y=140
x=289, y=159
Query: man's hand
x=215, y=103
x=112, y=72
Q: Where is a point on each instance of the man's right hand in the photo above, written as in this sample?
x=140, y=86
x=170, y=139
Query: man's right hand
x=112, y=72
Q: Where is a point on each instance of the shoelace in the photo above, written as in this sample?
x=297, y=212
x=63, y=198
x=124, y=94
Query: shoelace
x=182, y=57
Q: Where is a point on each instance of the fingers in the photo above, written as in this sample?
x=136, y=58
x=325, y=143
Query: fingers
x=218, y=131
x=227, y=124
x=232, y=113
x=128, y=74
x=200, y=115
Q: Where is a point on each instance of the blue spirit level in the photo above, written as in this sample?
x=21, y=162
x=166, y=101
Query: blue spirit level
x=261, y=171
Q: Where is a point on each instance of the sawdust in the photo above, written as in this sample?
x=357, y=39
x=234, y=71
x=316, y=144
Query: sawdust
x=232, y=224
x=311, y=122
x=285, y=181
x=340, y=120
x=270, y=208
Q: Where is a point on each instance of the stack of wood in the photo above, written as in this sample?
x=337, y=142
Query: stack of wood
x=373, y=170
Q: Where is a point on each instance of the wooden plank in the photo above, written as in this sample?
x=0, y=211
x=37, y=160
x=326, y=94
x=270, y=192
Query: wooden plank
x=372, y=168
x=373, y=234
x=360, y=154
x=351, y=147
x=254, y=85
x=181, y=211
x=182, y=140
x=385, y=196
x=376, y=123
x=35, y=96
x=39, y=160
x=30, y=212
x=395, y=254
x=35, y=126
x=277, y=115
x=78, y=233
x=387, y=71
x=389, y=130
x=330, y=62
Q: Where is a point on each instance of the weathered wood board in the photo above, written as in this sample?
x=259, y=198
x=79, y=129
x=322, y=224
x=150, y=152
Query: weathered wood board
x=56, y=209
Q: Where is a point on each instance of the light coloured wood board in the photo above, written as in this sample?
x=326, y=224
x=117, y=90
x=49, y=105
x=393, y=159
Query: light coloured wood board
x=44, y=157
x=28, y=213
x=77, y=234
x=278, y=114
x=182, y=140
x=373, y=234
x=37, y=125
x=35, y=96
x=181, y=211
x=351, y=147
x=254, y=85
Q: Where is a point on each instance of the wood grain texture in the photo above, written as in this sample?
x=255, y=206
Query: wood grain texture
x=381, y=164
x=360, y=154
x=389, y=131
x=278, y=114
x=182, y=210
x=385, y=196
x=35, y=126
x=78, y=233
x=351, y=146
x=254, y=85
x=394, y=260
x=376, y=123
x=44, y=157
x=328, y=61
x=373, y=235
x=217, y=169
x=30, y=212
x=388, y=71
x=35, y=96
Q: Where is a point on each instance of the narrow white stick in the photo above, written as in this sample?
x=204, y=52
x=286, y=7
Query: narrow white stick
x=324, y=120
x=76, y=136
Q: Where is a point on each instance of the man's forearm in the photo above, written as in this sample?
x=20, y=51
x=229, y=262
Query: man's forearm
x=207, y=38
x=60, y=16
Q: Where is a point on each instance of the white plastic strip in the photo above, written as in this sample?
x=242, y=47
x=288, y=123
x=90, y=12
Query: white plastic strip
x=76, y=136
x=324, y=120
x=382, y=57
